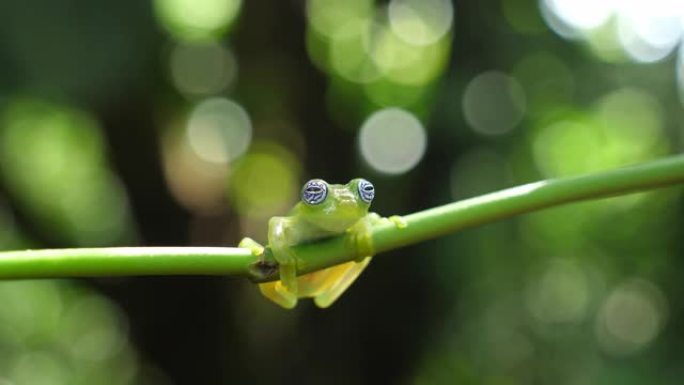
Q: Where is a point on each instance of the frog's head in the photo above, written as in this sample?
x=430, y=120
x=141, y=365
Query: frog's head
x=335, y=207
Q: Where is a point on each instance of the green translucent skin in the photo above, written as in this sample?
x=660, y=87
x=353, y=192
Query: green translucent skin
x=342, y=211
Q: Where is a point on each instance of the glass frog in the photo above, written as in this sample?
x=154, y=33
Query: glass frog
x=325, y=210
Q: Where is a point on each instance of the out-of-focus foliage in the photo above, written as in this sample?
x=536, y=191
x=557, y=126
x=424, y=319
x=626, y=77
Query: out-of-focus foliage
x=53, y=160
x=179, y=122
x=62, y=333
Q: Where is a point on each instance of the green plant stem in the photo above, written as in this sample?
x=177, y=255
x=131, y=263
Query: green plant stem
x=421, y=226
x=435, y=222
x=124, y=261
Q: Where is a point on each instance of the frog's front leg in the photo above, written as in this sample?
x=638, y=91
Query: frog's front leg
x=360, y=233
x=284, y=292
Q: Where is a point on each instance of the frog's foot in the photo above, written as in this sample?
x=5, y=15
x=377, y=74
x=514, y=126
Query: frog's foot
x=276, y=292
x=398, y=221
x=360, y=233
x=359, y=236
x=254, y=246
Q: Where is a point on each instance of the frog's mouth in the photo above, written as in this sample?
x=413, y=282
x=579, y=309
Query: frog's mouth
x=337, y=226
x=344, y=217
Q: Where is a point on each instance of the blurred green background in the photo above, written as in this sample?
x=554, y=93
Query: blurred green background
x=191, y=122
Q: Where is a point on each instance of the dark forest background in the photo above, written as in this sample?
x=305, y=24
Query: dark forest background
x=191, y=123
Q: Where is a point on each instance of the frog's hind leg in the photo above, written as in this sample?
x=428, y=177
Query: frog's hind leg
x=276, y=292
x=338, y=279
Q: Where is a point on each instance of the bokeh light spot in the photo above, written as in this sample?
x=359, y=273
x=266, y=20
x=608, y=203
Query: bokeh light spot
x=561, y=294
x=265, y=181
x=650, y=30
x=404, y=63
x=392, y=141
x=626, y=128
x=631, y=317
x=202, y=69
x=567, y=147
x=605, y=43
x=197, y=19
x=199, y=185
x=493, y=103
x=646, y=31
x=219, y=130
x=328, y=16
x=633, y=120
x=420, y=22
x=581, y=14
x=348, y=51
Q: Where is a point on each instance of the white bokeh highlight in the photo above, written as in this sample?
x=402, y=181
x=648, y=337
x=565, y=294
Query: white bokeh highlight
x=561, y=295
x=631, y=317
x=420, y=22
x=202, y=69
x=219, y=130
x=493, y=103
x=581, y=14
x=392, y=141
x=650, y=31
x=646, y=30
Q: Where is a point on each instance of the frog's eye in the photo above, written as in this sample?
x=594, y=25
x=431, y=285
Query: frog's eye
x=366, y=191
x=314, y=191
